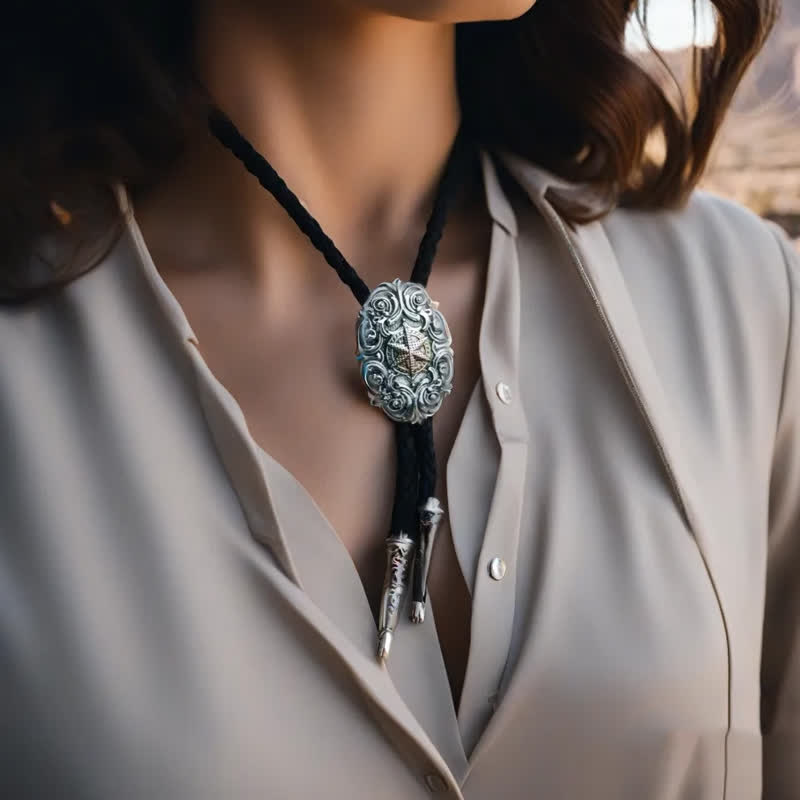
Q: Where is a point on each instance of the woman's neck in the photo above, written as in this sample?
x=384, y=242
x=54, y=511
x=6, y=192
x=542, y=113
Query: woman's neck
x=357, y=112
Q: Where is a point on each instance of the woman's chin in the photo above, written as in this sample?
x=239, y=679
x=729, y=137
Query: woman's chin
x=450, y=10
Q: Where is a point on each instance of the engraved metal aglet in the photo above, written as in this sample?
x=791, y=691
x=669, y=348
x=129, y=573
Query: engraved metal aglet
x=399, y=555
x=430, y=517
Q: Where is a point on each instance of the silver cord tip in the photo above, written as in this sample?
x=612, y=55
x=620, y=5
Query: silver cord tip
x=384, y=645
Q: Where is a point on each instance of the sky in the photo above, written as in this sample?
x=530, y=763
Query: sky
x=670, y=24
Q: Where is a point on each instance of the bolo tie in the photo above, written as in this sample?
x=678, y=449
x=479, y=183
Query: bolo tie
x=404, y=351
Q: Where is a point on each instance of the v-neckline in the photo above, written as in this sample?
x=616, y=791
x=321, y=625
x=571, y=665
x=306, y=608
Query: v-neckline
x=472, y=407
x=483, y=668
x=418, y=648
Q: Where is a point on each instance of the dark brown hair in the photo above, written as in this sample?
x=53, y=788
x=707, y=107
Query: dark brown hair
x=96, y=92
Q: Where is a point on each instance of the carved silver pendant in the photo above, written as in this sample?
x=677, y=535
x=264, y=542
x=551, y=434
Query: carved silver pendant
x=405, y=350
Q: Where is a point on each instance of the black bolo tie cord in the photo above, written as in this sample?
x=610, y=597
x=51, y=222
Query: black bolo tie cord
x=416, y=454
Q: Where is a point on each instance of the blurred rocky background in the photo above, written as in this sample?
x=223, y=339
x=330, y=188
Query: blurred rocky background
x=757, y=158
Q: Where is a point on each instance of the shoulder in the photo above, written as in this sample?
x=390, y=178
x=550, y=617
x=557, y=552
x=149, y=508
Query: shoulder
x=43, y=339
x=714, y=288
x=718, y=238
x=709, y=244
x=714, y=262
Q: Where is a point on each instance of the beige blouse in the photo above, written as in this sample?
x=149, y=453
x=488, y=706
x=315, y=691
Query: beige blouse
x=179, y=620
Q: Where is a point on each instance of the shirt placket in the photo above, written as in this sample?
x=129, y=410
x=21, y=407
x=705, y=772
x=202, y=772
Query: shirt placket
x=494, y=586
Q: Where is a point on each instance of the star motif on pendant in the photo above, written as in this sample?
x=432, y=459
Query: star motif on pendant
x=410, y=351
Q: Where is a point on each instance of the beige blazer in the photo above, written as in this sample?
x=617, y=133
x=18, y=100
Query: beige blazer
x=179, y=621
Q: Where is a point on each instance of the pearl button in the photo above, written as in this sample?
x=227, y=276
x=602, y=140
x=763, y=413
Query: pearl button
x=497, y=569
x=503, y=392
x=435, y=783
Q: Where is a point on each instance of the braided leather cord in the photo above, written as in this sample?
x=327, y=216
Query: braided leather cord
x=405, y=493
x=426, y=461
x=258, y=166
